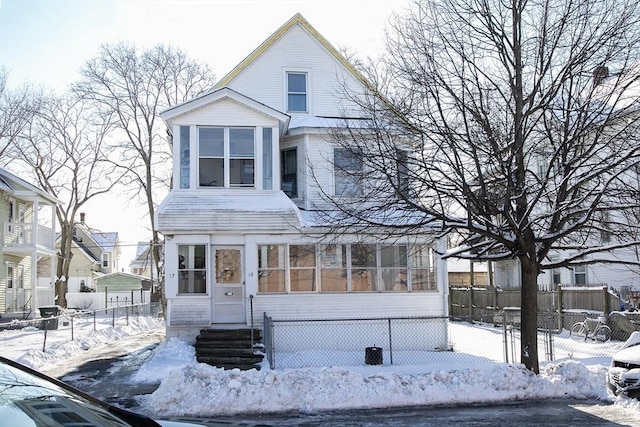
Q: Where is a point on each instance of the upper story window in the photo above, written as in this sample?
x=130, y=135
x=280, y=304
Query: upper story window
x=289, y=184
x=105, y=260
x=580, y=275
x=402, y=159
x=226, y=157
x=184, y=156
x=10, y=217
x=347, y=168
x=296, y=92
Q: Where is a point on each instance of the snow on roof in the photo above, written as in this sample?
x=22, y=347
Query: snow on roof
x=106, y=240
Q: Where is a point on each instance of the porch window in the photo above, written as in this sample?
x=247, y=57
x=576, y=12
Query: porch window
x=289, y=170
x=347, y=168
x=363, y=268
x=333, y=268
x=296, y=92
x=226, y=157
x=302, y=268
x=271, y=268
x=393, y=265
x=192, y=269
x=422, y=269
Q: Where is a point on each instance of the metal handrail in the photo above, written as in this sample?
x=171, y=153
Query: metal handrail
x=251, y=308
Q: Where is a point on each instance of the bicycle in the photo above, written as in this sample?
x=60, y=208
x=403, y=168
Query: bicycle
x=593, y=329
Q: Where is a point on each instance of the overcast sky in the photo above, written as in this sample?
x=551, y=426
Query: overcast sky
x=47, y=41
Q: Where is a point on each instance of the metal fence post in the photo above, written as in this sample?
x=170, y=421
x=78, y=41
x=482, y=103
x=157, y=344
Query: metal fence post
x=390, y=346
x=505, y=339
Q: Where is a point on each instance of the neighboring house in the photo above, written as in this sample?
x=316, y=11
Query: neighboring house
x=242, y=232
x=95, y=254
x=27, y=218
x=463, y=272
x=143, y=264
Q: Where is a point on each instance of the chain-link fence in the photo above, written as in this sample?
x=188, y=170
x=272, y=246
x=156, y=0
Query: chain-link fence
x=56, y=324
x=435, y=340
x=352, y=342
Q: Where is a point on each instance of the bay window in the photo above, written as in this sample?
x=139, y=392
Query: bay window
x=347, y=168
x=226, y=157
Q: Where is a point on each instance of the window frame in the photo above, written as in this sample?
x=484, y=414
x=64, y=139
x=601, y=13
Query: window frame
x=229, y=160
x=347, y=177
x=289, y=92
x=335, y=263
x=293, y=193
x=105, y=260
x=192, y=270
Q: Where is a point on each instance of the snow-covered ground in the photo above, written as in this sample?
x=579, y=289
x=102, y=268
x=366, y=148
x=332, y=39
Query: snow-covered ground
x=188, y=388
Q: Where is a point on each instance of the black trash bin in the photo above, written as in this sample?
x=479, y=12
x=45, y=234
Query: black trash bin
x=49, y=311
x=373, y=356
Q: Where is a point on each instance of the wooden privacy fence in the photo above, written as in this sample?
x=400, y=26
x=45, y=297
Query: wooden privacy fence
x=483, y=304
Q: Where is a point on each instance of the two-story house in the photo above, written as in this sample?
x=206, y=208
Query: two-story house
x=243, y=234
x=27, y=221
x=95, y=253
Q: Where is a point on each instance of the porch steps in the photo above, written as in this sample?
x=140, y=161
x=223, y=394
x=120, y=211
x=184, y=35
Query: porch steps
x=229, y=348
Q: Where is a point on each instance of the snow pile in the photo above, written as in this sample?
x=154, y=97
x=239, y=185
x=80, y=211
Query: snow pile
x=188, y=388
x=202, y=390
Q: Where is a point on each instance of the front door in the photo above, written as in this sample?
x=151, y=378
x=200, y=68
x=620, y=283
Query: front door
x=228, y=302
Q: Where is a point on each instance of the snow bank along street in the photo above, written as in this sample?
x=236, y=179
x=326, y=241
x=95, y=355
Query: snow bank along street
x=187, y=388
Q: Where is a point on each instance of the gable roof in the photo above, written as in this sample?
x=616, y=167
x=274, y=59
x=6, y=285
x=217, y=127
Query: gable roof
x=219, y=94
x=22, y=189
x=297, y=19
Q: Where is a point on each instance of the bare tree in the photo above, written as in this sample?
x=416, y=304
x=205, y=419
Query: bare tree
x=511, y=123
x=64, y=146
x=16, y=110
x=135, y=86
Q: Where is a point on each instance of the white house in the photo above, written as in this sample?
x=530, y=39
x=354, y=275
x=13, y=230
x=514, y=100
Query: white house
x=242, y=232
x=27, y=229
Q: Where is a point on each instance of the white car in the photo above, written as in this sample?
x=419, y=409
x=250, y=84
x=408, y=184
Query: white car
x=623, y=376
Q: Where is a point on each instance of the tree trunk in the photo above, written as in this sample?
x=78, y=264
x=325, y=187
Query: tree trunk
x=61, y=293
x=529, y=314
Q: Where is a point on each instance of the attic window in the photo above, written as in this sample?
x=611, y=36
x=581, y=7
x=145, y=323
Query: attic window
x=296, y=92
